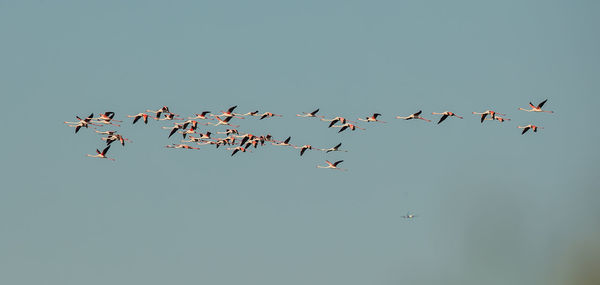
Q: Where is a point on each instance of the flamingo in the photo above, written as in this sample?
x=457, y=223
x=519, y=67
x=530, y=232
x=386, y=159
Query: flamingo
x=201, y=116
x=138, y=116
x=498, y=118
x=312, y=114
x=372, y=118
x=229, y=113
x=333, y=121
x=286, y=142
x=488, y=112
x=224, y=122
x=107, y=116
x=331, y=165
x=268, y=115
x=346, y=126
x=537, y=108
x=114, y=137
x=304, y=148
x=81, y=123
x=184, y=146
x=174, y=128
x=253, y=114
x=102, y=154
x=159, y=111
x=335, y=148
x=416, y=115
x=229, y=132
x=168, y=117
x=236, y=149
x=446, y=115
x=526, y=128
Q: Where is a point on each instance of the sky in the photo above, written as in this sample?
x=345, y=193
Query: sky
x=493, y=206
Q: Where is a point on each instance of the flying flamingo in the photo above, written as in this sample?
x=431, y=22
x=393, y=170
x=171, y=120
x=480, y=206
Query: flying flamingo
x=107, y=116
x=537, y=108
x=229, y=132
x=335, y=148
x=286, y=142
x=312, y=114
x=346, y=126
x=102, y=154
x=498, y=118
x=253, y=114
x=333, y=121
x=81, y=123
x=304, y=148
x=201, y=116
x=268, y=115
x=229, y=113
x=331, y=165
x=168, y=117
x=488, y=112
x=159, y=111
x=114, y=137
x=526, y=128
x=184, y=146
x=236, y=149
x=416, y=115
x=372, y=118
x=174, y=128
x=138, y=116
x=446, y=115
x=224, y=122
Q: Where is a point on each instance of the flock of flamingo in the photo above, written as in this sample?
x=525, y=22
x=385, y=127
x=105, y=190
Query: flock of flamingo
x=236, y=141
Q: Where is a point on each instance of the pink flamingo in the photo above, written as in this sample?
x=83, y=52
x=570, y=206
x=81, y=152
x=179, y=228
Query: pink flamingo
x=537, y=108
x=416, y=115
x=346, y=126
x=488, y=112
x=446, y=115
x=268, y=115
x=312, y=114
x=372, y=118
x=331, y=165
x=138, y=116
x=526, y=128
x=102, y=154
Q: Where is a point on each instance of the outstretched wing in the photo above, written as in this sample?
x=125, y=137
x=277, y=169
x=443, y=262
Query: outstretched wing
x=231, y=109
x=105, y=150
x=287, y=140
x=418, y=113
x=337, y=162
x=443, y=118
x=542, y=103
x=136, y=119
x=525, y=130
x=483, y=117
x=314, y=112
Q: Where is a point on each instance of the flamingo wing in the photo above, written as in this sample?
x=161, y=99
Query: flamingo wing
x=105, y=150
x=337, y=162
x=418, y=113
x=287, y=140
x=443, y=118
x=483, y=117
x=525, y=130
x=314, y=112
x=136, y=119
x=333, y=123
x=342, y=129
x=542, y=103
x=231, y=109
x=302, y=151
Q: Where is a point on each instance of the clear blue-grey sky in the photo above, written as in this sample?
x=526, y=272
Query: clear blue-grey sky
x=493, y=206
